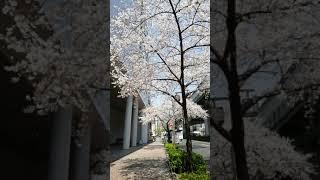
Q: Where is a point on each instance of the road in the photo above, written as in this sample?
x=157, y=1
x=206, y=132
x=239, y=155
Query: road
x=200, y=147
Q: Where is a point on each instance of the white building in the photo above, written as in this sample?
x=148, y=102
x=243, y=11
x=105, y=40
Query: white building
x=125, y=127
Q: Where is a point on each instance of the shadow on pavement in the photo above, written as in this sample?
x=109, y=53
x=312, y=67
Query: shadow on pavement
x=152, y=147
x=146, y=169
x=117, y=152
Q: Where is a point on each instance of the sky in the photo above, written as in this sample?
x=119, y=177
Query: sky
x=120, y=4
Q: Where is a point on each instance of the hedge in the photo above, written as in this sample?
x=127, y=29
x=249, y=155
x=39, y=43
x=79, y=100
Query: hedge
x=177, y=162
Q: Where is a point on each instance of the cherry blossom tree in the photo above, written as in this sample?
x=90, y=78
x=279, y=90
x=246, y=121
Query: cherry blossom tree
x=170, y=111
x=260, y=37
x=269, y=156
x=162, y=47
x=63, y=50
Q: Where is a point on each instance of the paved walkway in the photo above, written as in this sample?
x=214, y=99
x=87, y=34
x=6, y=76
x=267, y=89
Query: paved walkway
x=148, y=163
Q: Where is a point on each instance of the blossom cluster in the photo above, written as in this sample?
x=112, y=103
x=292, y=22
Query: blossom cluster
x=171, y=110
x=267, y=153
x=155, y=44
x=63, y=47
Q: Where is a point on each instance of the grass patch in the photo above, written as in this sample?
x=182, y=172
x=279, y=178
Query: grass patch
x=177, y=162
x=193, y=176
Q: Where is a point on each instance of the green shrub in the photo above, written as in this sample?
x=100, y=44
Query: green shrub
x=193, y=176
x=177, y=160
x=198, y=164
x=176, y=157
x=169, y=146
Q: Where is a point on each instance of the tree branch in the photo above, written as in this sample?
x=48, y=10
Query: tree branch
x=188, y=84
x=243, y=77
x=181, y=46
x=146, y=19
x=222, y=65
x=164, y=62
x=226, y=134
x=166, y=79
x=248, y=15
x=221, y=130
x=251, y=102
x=196, y=46
x=192, y=24
x=215, y=53
x=166, y=93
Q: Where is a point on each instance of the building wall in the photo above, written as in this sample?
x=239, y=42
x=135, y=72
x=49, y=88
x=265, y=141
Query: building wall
x=117, y=124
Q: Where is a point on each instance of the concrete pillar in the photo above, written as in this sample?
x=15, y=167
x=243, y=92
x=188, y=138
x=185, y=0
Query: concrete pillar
x=139, y=133
x=81, y=156
x=144, y=133
x=134, y=122
x=127, y=124
x=58, y=167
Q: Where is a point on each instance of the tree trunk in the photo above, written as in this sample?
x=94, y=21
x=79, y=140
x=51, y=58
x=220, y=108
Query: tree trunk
x=237, y=134
x=168, y=133
x=183, y=93
x=189, y=148
x=174, y=132
x=188, y=136
x=228, y=64
x=237, y=131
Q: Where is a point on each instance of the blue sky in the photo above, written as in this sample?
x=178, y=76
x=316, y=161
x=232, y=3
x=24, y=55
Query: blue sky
x=118, y=3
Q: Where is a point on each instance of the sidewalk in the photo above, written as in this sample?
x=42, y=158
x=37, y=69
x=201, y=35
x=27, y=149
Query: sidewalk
x=148, y=163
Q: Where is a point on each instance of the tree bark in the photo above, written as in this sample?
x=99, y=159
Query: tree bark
x=168, y=133
x=237, y=131
x=188, y=136
x=183, y=93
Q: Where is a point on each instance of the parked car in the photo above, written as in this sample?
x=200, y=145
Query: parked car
x=196, y=133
